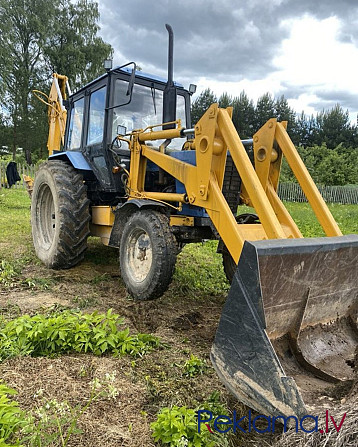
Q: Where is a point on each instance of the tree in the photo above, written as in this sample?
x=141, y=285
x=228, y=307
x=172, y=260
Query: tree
x=305, y=130
x=34, y=38
x=201, y=104
x=264, y=110
x=243, y=115
x=225, y=100
x=334, y=127
x=283, y=112
x=24, y=24
x=72, y=46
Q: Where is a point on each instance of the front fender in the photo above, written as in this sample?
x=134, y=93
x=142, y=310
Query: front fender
x=122, y=213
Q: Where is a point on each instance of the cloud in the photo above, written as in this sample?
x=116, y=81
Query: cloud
x=227, y=40
x=305, y=50
x=328, y=99
x=212, y=39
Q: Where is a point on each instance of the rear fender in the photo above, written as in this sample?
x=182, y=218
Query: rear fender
x=76, y=159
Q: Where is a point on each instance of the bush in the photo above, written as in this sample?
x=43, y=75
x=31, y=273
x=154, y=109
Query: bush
x=69, y=331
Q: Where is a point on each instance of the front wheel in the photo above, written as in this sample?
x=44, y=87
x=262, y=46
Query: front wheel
x=147, y=254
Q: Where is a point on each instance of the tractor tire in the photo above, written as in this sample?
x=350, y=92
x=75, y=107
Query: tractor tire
x=229, y=264
x=147, y=254
x=59, y=215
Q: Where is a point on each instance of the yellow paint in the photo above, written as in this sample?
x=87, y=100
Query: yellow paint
x=162, y=196
x=102, y=215
x=57, y=113
x=308, y=186
x=179, y=221
x=215, y=134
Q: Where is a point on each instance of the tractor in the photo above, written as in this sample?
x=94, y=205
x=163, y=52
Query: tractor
x=126, y=165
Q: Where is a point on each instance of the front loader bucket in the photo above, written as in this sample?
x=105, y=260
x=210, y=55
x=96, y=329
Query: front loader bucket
x=300, y=291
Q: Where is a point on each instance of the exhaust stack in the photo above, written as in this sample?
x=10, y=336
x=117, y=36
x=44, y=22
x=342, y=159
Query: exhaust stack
x=170, y=93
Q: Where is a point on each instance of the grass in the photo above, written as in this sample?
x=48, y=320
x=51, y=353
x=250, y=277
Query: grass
x=346, y=217
x=15, y=226
x=199, y=268
x=16, y=243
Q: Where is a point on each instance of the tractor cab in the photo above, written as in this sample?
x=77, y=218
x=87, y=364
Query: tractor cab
x=118, y=102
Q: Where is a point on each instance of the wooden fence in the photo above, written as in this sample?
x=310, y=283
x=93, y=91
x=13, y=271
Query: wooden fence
x=23, y=169
x=290, y=192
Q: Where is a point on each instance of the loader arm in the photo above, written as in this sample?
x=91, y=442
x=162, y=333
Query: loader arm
x=215, y=134
x=289, y=292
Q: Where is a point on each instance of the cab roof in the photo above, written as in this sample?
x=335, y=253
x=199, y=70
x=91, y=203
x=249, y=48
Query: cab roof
x=127, y=70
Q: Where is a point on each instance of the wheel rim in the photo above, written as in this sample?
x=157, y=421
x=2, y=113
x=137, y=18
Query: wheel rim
x=139, y=255
x=46, y=217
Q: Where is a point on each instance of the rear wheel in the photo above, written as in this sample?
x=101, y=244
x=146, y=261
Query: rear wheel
x=59, y=215
x=147, y=254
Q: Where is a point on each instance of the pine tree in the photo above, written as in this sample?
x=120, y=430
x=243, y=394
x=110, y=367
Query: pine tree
x=201, y=104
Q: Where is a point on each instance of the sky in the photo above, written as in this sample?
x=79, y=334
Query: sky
x=305, y=50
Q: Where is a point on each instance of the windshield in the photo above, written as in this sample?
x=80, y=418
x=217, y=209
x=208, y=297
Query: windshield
x=145, y=109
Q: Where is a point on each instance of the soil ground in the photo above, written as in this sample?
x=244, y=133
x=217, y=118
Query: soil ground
x=185, y=320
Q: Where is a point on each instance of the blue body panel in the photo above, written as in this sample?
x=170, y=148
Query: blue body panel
x=77, y=159
x=188, y=210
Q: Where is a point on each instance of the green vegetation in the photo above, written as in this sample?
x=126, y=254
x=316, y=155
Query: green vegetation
x=15, y=235
x=336, y=166
x=178, y=426
x=12, y=418
x=41, y=38
x=69, y=331
x=175, y=380
x=8, y=273
x=194, y=366
x=199, y=269
x=346, y=217
x=52, y=422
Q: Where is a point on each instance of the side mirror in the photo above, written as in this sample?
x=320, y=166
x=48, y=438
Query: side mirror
x=121, y=130
x=131, y=82
x=107, y=64
x=130, y=85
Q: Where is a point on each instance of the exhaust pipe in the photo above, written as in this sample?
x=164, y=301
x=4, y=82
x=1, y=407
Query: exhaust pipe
x=170, y=93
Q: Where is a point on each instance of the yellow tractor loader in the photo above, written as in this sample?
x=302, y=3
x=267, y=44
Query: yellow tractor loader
x=126, y=166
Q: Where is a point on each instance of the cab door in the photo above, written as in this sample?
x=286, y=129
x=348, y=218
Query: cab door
x=94, y=135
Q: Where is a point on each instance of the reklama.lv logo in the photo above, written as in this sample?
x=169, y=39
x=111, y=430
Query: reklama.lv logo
x=223, y=423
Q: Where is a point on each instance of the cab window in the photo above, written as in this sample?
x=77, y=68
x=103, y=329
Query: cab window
x=145, y=109
x=96, y=116
x=76, y=123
